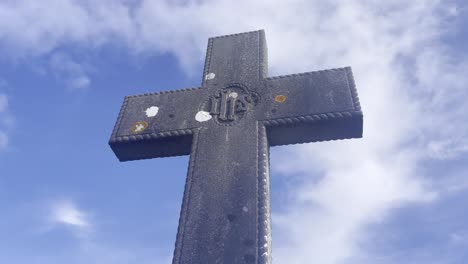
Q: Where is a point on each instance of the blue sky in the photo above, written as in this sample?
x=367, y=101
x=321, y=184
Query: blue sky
x=395, y=196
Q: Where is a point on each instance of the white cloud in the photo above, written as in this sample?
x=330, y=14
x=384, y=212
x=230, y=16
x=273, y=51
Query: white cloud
x=411, y=85
x=3, y=140
x=69, y=70
x=93, y=244
x=447, y=149
x=4, y=118
x=65, y=212
x=34, y=28
x=80, y=82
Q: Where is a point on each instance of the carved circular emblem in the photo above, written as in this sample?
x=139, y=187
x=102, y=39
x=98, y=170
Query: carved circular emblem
x=230, y=104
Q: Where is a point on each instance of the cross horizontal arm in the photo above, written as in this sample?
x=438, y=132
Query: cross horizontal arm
x=156, y=125
x=312, y=106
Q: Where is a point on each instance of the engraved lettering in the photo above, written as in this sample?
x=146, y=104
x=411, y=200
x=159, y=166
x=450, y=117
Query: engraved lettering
x=224, y=102
x=232, y=108
x=230, y=104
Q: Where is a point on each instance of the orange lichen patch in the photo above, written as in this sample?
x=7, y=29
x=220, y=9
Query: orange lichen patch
x=280, y=98
x=139, y=126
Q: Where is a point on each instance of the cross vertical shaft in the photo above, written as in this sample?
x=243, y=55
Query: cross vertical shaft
x=221, y=209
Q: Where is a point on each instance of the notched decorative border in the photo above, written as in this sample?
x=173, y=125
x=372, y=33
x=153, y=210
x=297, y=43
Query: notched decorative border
x=151, y=136
x=165, y=92
x=206, y=68
x=309, y=118
x=119, y=119
x=263, y=190
x=352, y=87
x=305, y=73
x=238, y=34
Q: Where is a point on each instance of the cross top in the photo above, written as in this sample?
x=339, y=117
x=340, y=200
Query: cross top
x=227, y=126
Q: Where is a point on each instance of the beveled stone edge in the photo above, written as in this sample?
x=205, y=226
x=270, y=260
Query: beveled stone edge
x=262, y=56
x=184, y=208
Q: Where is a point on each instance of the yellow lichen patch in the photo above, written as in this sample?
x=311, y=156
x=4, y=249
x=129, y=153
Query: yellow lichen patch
x=280, y=98
x=139, y=126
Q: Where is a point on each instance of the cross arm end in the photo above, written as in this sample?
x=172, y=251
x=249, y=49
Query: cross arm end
x=315, y=106
x=153, y=145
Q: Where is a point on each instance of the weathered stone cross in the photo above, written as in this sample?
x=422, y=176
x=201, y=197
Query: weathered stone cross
x=227, y=126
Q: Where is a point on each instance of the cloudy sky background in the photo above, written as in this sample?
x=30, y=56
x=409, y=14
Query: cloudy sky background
x=396, y=196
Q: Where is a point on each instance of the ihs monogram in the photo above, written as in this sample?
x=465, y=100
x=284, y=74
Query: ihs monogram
x=231, y=103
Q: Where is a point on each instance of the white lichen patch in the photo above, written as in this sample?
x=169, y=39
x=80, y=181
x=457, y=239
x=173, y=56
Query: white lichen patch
x=152, y=111
x=210, y=76
x=202, y=116
x=139, y=128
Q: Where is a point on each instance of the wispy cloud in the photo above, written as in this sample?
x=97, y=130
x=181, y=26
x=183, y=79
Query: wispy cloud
x=73, y=73
x=447, y=149
x=5, y=118
x=32, y=28
x=93, y=245
x=3, y=103
x=42, y=229
x=3, y=140
x=65, y=212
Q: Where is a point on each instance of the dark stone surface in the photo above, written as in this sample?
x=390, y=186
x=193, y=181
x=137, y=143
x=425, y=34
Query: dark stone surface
x=225, y=215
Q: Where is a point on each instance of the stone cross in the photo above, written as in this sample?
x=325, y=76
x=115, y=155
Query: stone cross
x=227, y=126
